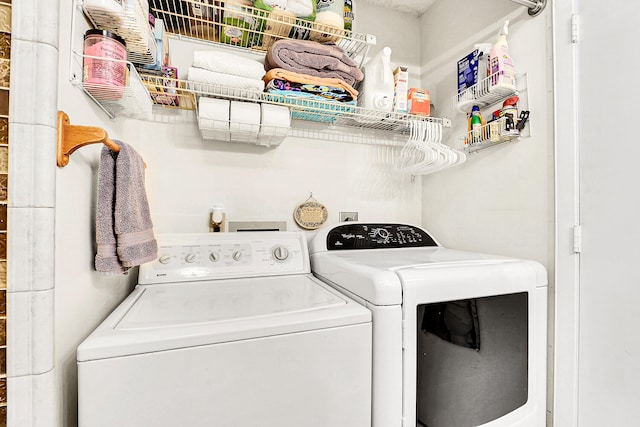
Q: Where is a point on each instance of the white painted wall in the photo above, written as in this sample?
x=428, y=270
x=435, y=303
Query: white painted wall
x=186, y=175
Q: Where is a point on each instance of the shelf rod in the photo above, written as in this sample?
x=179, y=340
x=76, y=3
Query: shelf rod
x=535, y=6
x=72, y=137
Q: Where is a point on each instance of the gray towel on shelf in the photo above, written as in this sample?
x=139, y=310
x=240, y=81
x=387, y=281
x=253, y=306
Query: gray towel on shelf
x=124, y=231
x=313, y=59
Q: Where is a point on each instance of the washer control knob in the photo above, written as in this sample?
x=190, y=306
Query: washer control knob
x=214, y=256
x=190, y=258
x=280, y=253
x=237, y=255
x=164, y=259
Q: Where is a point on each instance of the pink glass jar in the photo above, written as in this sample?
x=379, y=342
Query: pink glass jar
x=104, y=67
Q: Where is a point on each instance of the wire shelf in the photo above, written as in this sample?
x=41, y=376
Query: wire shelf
x=302, y=108
x=130, y=99
x=132, y=24
x=256, y=134
x=491, y=134
x=238, y=24
x=487, y=91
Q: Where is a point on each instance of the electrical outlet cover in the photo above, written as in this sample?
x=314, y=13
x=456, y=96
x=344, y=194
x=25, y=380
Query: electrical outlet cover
x=348, y=216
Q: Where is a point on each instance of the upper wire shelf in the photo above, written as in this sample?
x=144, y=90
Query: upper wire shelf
x=238, y=24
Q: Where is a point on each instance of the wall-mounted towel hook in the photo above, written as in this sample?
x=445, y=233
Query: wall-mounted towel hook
x=72, y=137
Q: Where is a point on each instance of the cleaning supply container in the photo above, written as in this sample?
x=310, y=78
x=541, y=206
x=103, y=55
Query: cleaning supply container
x=377, y=87
x=104, y=66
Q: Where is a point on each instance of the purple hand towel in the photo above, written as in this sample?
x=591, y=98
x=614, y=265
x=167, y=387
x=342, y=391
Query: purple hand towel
x=313, y=59
x=124, y=231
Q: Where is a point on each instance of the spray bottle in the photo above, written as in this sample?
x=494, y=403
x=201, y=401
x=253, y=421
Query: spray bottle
x=503, y=72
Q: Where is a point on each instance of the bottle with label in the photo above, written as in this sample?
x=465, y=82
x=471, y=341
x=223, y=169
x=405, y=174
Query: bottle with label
x=348, y=15
x=503, y=74
x=476, y=126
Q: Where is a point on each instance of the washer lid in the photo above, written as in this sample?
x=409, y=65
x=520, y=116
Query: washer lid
x=179, y=315
x=175, y=305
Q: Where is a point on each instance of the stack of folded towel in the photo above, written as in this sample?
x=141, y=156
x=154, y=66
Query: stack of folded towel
x=222, y=73
x=303, y=68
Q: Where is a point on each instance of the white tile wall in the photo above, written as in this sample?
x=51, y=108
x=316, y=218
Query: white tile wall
x=30, y=332
x=30, y=297
x=36, y=21
x=34, y=70
x=32, y=244
x=30, y=404
x=31, y=150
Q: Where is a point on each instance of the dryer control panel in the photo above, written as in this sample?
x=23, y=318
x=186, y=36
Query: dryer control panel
x=377, y=236
x=211, y=256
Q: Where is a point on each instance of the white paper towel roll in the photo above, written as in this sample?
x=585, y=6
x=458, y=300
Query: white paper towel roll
x=245, y=121
x=275, y=124
x=213, y=118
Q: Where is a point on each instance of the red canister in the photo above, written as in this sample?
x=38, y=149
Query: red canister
x=104, y=66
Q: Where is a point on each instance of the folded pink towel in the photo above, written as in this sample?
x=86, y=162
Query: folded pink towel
x=314, y=59
x=124, y=231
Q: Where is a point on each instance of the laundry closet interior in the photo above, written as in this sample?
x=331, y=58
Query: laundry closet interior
x=500, y=200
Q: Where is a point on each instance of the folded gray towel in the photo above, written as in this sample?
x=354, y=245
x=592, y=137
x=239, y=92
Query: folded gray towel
x=124, y=231
x=313, y=59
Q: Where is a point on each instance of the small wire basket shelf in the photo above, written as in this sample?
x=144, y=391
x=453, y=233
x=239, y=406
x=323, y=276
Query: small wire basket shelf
x=132, y=25
x=238, y=24
x=488, y=91
x=128, y=98
x=491, y=134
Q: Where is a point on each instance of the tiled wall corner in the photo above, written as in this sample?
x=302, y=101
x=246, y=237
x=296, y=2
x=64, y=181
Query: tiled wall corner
x=31, y=150
x=34, y=77
x=33, y=247
x=28, y=140
x=31, y=329
x=36, y=21
x=33, y=405
x=5, y=78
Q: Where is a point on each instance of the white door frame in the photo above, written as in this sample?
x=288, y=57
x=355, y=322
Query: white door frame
x=567, y=172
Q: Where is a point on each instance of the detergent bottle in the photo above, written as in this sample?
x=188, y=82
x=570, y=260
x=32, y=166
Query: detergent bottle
x=503, y=73
x=377, y=88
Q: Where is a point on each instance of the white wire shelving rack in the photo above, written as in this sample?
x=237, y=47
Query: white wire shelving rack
x=166, y=100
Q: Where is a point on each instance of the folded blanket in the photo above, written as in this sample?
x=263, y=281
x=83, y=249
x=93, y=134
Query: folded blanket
x=124, y=231
x=328, y=92
x=224, y=82
x=314, y=59
x=290, y=76
x=227, y=63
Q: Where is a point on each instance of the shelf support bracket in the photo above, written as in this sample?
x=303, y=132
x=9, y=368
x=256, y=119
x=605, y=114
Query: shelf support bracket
x=72, y=137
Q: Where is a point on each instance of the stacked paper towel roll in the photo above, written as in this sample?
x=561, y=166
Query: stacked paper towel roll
x=213, y=118
x=244, y=122
x=275, y=124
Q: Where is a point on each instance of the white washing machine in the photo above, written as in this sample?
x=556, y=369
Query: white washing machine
x=459, y=338
x=229, y=330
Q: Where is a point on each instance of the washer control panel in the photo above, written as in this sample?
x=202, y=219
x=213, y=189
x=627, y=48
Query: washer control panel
x=210, y=256
x=377, y=236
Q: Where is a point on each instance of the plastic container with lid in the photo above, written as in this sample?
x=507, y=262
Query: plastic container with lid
x=510, y=113
x=105, y=69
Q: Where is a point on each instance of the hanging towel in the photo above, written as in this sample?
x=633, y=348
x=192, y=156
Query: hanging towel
x=124, y=231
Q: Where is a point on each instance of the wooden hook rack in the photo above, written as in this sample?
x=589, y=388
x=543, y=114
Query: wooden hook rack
x=72, y=137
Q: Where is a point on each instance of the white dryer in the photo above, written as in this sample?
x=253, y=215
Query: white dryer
x=459, y=338
x=229, y=330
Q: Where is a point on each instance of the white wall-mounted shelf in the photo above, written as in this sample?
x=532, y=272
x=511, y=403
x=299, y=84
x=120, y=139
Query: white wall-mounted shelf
x=488, y=92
